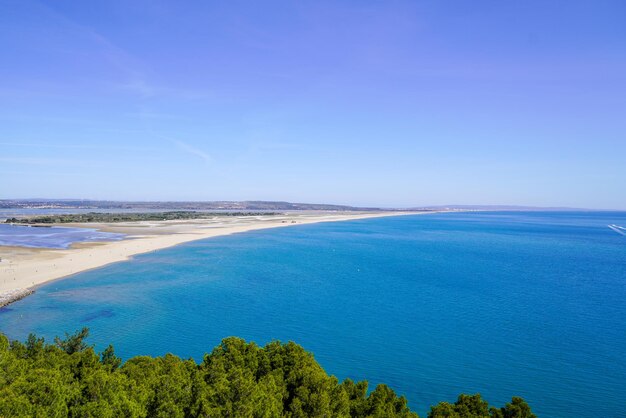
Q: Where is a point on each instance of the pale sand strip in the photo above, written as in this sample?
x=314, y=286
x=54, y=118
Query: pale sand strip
x=25, y=268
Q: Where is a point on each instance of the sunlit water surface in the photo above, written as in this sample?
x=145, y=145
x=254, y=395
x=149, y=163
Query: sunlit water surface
x=529, y=304
x=50, y=237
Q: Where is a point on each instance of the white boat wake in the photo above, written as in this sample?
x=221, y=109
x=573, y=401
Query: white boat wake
x=619, y=229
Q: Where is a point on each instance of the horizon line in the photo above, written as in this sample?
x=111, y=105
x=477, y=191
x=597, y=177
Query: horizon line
x=403, y=207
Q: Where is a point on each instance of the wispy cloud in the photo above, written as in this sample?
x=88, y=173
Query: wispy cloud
x=38, y=173
x=194, y=151
x=127, y=72
x=105, y=147
x=129, y=68
x=36, y=161
x=274, y=146
x=139, y=86
x=145, y=113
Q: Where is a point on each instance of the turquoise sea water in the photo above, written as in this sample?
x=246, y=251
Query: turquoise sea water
x=529, y=304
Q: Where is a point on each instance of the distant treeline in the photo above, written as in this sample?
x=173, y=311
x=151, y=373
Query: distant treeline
x=128, y=217
x=238, y=379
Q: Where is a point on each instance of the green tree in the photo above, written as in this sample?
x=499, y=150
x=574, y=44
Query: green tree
x=473, y=406
x=237, y=379
x=73, y=343
x=518, y=408
x=108, y=358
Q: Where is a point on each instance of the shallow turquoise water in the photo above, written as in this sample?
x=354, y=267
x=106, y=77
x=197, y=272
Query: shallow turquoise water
x=51, y=236
x=529, y=304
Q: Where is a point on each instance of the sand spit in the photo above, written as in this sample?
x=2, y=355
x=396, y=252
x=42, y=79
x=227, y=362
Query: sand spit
x=23, y=269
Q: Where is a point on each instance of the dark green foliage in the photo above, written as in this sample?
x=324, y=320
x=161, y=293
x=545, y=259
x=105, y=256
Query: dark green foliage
x=72, y=343
x=127, y=217
x=518, y=408
x=473, y=406
x=108, y=358
x=238, y=379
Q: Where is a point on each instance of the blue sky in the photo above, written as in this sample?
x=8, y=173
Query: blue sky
x=389, y=103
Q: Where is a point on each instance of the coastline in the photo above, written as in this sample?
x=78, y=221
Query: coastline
x=23, y=269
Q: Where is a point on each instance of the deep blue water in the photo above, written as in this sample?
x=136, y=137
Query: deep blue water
x=51, y=237
x=529, y=304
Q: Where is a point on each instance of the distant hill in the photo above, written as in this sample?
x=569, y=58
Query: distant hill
x=247, y=205
x=501, y=208
x=256, y=205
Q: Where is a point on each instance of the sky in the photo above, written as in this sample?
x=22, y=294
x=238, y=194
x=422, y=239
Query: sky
x=382, y=103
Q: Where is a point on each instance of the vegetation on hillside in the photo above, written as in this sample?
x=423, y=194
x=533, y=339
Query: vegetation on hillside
x=128, y=217
x=168, y=206
x=237, y=379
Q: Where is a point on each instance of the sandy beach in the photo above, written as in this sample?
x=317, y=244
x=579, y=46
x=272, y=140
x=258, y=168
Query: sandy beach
x=23, y=269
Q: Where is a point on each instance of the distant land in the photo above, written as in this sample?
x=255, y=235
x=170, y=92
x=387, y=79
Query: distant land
x=100, y=217
x=251, y=205
x=512, y=208
x=165, y=205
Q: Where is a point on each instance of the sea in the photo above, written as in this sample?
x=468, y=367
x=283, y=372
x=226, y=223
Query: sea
x=529, y=304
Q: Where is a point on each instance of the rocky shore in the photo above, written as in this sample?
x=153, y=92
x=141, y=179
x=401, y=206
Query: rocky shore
x=13, y=296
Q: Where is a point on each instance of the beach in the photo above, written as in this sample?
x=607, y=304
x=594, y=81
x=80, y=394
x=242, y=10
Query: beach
x=23, y=269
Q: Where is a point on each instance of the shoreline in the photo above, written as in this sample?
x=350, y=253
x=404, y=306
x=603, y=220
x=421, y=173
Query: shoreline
x=11, y=296
x=23, y=269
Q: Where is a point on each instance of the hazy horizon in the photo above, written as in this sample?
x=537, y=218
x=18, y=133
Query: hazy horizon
x=415, y=206
x=395, y=104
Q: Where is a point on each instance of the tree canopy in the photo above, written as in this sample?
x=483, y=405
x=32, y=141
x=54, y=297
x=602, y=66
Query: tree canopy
x=237, y=379
x=473, y=406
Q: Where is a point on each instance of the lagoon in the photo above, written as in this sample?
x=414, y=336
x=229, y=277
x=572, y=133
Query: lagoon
x=51, y=236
